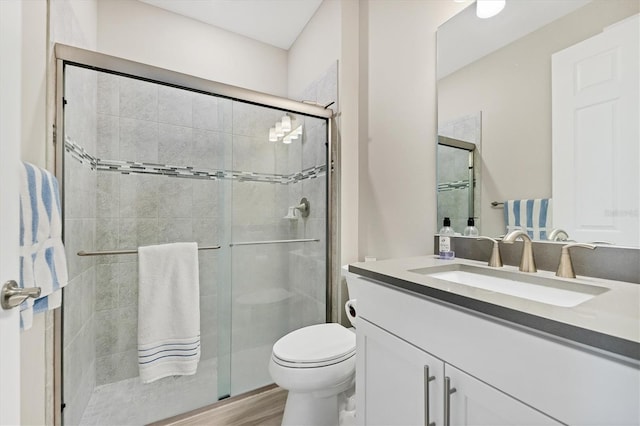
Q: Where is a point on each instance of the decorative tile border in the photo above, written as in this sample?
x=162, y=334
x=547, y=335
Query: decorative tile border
x=128, y=167
x=451, y=186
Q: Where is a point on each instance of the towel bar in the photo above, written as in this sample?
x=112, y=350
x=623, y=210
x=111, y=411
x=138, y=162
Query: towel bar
x=496, y=204
x=111, y=252
x=250, y=243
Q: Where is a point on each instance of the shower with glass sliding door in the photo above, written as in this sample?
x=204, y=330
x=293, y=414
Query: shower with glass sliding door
x=149, y=161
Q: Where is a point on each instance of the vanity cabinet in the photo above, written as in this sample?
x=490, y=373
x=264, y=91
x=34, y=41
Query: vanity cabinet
x=400, y=384
x=503, y=373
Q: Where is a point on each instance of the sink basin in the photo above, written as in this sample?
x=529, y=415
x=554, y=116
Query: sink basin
x=531, y=287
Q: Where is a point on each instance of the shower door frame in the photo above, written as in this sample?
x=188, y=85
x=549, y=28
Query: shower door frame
x=69, y=55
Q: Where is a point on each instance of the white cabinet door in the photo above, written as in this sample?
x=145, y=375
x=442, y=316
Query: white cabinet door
x=392, y=386
x=596, y=137
x=476, y=403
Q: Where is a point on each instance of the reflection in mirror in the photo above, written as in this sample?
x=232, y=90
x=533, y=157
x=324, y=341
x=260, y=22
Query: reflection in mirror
x=458, y=143
x=503, y=67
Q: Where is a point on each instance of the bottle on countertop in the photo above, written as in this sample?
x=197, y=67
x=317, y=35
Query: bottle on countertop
x=446, y=232
x=470, y=230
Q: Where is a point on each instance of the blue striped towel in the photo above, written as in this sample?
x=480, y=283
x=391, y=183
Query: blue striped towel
x=532, y=216
x=43, y=262
x=168, y=311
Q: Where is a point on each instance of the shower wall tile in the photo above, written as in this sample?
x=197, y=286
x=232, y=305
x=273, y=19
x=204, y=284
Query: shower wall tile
x=175, y=144
x=209, y=270
x=72, y=317
x=327, y=87
x=254, y=154
x=211, y=113
x=108, y=195
x=138, y=99
x=139, y=196
x=138, y=140
x=208, y=343
x=137, y=232
x=313, y=146
x=205, y=199
x=177, y=196
x=106, y=286
x=171, y=230
x=108, y=94
x=174, y=106
x=211, y=150
x=106, y=236
x=116, y=367
x=108, y=137
x=106, y=332
x=315, y=192
x=127, y=284
x=253, y=203
x=207, y=232
x=254, y=121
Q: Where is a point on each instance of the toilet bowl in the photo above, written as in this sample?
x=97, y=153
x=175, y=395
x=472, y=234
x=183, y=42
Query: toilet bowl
x=317, y=365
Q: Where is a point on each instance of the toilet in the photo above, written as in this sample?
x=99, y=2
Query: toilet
x=317, y=365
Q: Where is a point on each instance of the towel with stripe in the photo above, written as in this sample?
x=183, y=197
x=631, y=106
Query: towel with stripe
x=532, y=216
x=43, y=262
x=168, y=311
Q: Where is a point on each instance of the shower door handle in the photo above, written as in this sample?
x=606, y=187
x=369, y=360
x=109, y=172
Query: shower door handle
x=13, y=295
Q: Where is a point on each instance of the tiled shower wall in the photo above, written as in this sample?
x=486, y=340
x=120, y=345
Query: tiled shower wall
x=79, y=234
x=151, y=123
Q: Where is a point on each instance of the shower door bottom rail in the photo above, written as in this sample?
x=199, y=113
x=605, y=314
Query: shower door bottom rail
x=250, y=243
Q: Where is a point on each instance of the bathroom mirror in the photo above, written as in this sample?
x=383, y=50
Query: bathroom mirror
x=502, y=67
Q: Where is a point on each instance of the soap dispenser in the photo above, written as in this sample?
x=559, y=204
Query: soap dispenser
x=446, y=232
x=470, y=230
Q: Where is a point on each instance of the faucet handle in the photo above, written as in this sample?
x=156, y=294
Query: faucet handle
x=565, y=267
x=495, y=261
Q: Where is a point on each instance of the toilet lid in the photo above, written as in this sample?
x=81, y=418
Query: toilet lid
x=315, y=344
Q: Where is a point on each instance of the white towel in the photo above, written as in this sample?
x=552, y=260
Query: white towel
x=168, y=311
x=43, y=262
x=532, y=216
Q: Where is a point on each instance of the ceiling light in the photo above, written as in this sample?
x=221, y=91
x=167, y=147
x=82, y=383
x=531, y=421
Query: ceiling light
x=286, y=139
x=286, y=123
x=488, y=8
x=272, y=135
x=279, y=131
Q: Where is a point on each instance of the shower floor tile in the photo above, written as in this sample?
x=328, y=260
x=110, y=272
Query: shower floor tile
x=130, y=402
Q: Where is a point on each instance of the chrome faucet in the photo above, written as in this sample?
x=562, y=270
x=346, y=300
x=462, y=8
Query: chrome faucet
x=565, y=267
x=527, y=262
x=558, y=234
x=495, y=261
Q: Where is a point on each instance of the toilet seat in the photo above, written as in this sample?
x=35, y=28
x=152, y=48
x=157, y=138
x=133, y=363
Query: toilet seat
x=315, y=346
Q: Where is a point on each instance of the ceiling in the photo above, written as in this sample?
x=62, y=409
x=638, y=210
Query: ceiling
x=466, y=38
x=275, y=22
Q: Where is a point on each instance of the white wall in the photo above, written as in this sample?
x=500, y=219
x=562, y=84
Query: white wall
x=144, y=33
x=397, y=211
x=315, y=49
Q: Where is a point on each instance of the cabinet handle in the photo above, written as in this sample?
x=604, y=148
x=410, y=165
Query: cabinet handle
x=448, y=390
x=427, y=379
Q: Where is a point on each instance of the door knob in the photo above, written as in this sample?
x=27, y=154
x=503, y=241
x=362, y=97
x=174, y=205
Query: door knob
x=12, y=295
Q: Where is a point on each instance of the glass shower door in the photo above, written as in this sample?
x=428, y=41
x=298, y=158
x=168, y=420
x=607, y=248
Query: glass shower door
x=278, y=248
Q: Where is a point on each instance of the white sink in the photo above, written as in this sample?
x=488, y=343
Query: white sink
x=531, y=287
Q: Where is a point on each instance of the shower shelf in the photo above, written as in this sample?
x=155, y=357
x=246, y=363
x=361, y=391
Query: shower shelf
x=250, y=243
x=111, y=252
